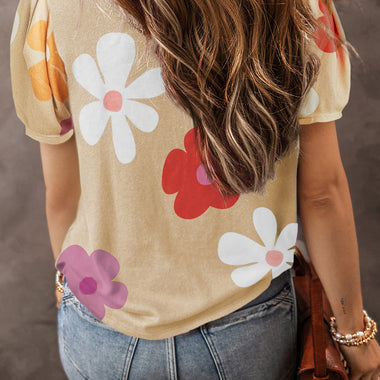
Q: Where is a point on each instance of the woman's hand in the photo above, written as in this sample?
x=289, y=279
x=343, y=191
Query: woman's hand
x=363, y=361
x=58, y=296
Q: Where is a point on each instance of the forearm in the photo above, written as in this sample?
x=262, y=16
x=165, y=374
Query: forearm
x=60, y=216
x=330, y=234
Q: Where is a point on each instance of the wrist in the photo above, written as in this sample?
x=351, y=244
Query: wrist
x=348, y=323
x=354, y=338
x=349, y=314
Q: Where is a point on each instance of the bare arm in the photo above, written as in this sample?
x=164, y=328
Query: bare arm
x=328, y=222
x=62, y=186
x=329, y=228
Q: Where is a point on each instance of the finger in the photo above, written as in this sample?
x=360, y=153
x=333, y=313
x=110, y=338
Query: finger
x=367, y=376
x=356, y=376
x=58, y=296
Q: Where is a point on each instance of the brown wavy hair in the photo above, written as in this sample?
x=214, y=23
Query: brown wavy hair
x=241, y=70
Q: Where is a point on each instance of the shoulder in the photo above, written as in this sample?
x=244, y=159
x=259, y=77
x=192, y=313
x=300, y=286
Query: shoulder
x=39, y=83
x=330, y=92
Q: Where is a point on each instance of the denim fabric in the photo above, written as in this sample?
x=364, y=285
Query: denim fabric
x=257, y=341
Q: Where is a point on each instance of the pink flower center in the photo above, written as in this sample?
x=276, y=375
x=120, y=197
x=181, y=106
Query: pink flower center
x=88, y=285
x=202, y=177
x=113, y=101
x=274, y=258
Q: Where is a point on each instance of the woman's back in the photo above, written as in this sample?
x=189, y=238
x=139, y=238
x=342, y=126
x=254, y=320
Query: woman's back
x=154, y=250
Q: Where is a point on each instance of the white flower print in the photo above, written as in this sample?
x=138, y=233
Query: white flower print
x=16, y=24
x=310, y=103
x=115, y=55
x=237, y=249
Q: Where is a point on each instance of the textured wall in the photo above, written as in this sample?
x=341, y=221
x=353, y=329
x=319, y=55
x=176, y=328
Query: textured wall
x=28, y=342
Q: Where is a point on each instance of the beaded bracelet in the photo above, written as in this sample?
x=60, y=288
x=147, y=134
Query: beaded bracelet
x=58, y=283
x=357, y=338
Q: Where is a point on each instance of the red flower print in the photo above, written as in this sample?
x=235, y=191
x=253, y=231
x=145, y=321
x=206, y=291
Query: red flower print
x=183, y=172
x=328, y=21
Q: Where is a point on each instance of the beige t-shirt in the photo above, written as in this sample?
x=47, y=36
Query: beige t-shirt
x=154, y=251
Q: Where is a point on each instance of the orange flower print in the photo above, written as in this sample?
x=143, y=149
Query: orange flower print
x=48, y=76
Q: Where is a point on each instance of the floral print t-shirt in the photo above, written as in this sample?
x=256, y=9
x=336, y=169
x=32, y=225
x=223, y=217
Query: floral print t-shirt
x=154, y=250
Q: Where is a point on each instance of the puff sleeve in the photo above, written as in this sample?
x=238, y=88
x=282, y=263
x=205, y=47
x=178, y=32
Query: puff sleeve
x=330, y=92
x=39, y=82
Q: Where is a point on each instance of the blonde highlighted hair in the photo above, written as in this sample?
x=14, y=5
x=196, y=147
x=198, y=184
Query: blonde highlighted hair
x=241, y=70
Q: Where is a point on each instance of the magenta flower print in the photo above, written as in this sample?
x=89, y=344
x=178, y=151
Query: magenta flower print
x=90, y=278
x=66, y=125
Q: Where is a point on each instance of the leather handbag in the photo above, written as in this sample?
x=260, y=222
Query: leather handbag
x=318, y=356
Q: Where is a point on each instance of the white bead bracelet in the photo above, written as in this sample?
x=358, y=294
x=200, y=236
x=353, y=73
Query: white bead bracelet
x=357, y=338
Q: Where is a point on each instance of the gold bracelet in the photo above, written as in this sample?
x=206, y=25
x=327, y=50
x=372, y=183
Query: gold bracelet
x=357, y=338
x=59, y=284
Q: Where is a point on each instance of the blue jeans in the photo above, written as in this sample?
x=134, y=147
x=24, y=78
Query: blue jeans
x=257, y=341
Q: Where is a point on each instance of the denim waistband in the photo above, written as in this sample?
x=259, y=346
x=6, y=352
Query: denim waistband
x=276, y=285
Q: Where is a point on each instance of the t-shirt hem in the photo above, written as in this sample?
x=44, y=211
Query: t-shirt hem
x=321, y=118
x=52, y=139
x=164, y=333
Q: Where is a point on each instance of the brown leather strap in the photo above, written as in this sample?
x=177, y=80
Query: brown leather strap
x=328, y=353
x=319, y=343
x=321, y=378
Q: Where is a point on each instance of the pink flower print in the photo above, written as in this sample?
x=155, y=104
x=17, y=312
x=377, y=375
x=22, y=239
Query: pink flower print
x=66, y=125
x=90, y=278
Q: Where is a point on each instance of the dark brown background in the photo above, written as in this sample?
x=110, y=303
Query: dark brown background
x=28, y=341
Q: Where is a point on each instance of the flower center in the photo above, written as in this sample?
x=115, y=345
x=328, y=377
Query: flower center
x=202, y=177
x=274, y=258
x=66, y=125
x=113, y=101
x=88, y=285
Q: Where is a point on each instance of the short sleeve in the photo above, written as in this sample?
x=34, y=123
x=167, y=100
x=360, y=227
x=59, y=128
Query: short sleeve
x=39, y=81
x=330, y=93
